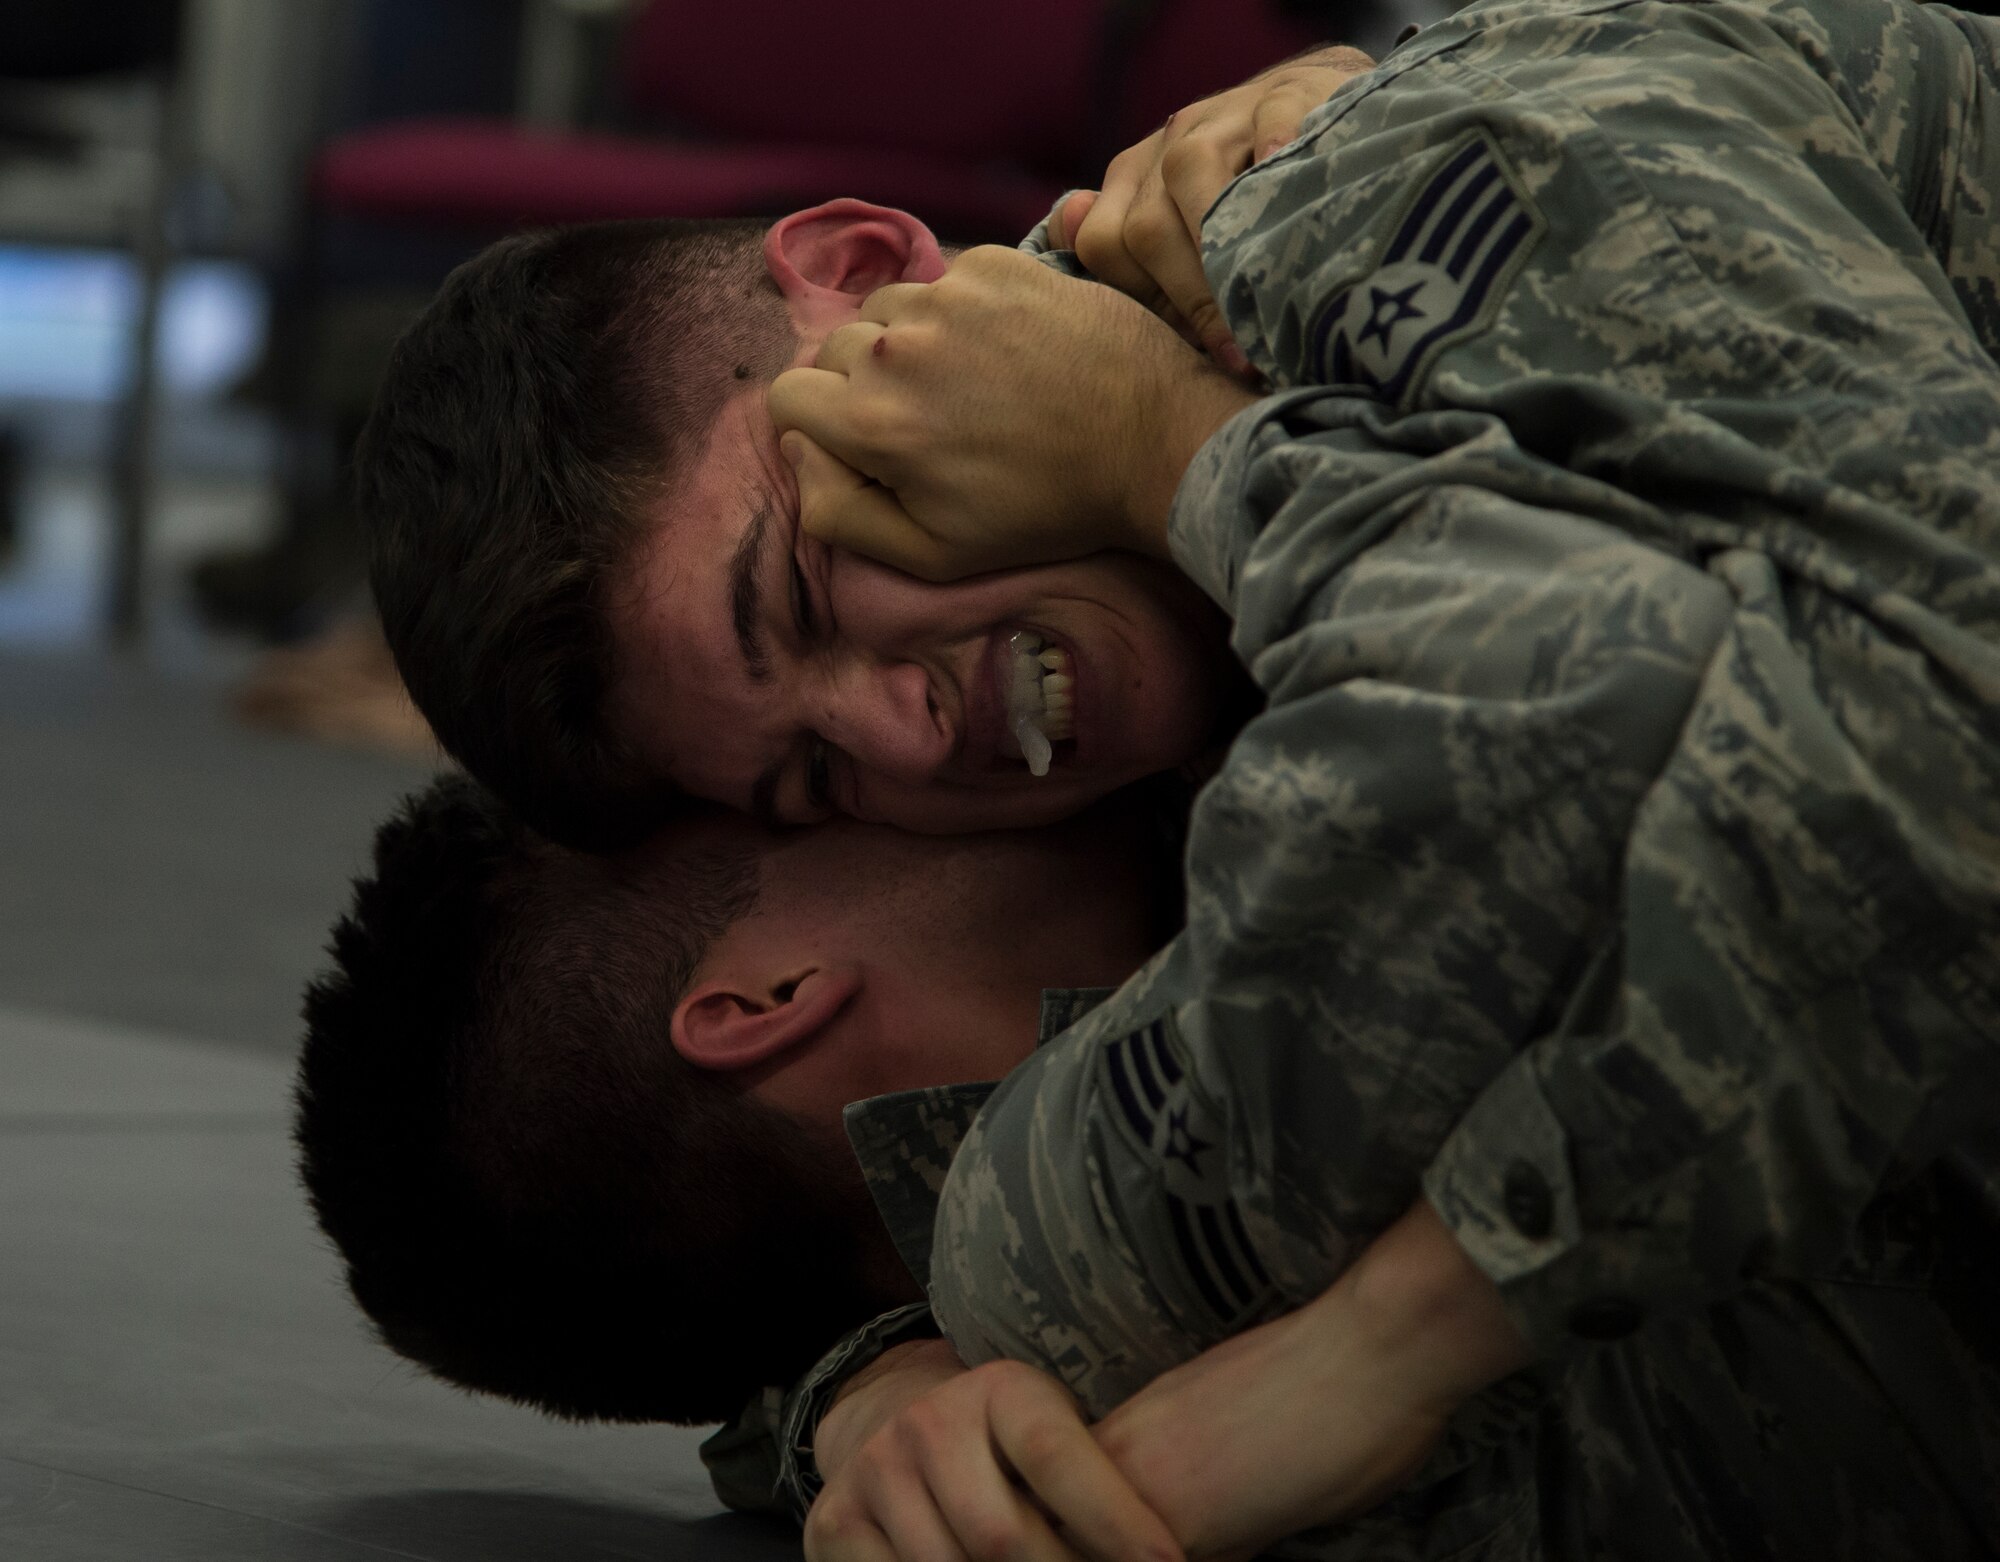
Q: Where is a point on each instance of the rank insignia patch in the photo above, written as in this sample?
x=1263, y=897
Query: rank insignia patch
x=1169, y=1125
x=1455, y=246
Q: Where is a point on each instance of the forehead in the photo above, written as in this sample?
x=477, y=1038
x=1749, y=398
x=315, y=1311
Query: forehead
x=685, y=694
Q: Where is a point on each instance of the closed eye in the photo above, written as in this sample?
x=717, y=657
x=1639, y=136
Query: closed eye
x=802, y=605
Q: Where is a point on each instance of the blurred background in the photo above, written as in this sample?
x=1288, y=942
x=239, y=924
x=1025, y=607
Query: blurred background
x=215, y=216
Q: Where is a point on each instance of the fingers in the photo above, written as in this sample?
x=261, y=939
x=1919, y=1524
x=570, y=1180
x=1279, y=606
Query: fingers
x=1068, y=217
x=1193, y=172
x=892, y=299
x=844, y=350
x=908, y=1513
x=841, y=1535
x=1143, y=234
x=1099, y=238
x=901, y=300
x=843, y=509
x=1045, y=1441
x=818, y=403
x=988, y=1515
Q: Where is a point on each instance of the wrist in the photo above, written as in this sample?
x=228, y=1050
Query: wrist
x=1191, y=405
x=876, y=1393
x=1423, y=1303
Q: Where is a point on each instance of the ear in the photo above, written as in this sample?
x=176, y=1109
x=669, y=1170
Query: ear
x=719, y=1026
x=833, y=256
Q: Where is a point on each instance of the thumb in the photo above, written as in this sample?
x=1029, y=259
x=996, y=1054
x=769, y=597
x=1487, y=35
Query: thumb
x=1213, y=332
x=843, y=509
x=1068, y=217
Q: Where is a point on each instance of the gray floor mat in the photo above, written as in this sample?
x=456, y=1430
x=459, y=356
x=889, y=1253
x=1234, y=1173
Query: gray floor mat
x=181, y=1374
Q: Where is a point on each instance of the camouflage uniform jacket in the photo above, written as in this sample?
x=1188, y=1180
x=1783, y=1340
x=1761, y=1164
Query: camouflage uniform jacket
x=1618, y=859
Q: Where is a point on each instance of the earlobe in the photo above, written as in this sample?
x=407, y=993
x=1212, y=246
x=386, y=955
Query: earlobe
x=720, y=1026
x=846, y=249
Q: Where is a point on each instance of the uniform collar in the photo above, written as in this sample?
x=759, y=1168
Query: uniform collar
x=905, y=1142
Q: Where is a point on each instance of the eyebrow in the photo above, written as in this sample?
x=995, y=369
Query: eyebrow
x=745, y=596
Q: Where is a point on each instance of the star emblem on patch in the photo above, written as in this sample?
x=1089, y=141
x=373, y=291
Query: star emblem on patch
x=1182, y=1144
x=1389, y=309
x=1404, y=295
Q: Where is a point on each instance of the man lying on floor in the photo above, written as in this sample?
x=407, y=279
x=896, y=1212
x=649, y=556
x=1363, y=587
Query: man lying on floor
x=574, y=1122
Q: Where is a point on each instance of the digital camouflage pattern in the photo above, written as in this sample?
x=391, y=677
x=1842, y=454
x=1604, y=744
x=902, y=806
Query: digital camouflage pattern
x=905, y=1142
x=1618, y=858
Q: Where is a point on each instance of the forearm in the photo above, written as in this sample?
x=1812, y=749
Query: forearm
x=1320, y=1414
x=1426, y=1311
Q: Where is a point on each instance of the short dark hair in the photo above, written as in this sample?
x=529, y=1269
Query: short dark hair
x=528, y=421
x=534, y=1194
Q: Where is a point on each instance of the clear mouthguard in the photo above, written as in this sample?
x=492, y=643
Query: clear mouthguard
x=1038, y=698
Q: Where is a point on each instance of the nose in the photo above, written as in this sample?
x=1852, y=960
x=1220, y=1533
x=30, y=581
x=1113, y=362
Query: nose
x=881, y=714
x=881, y=707
x=883, y=717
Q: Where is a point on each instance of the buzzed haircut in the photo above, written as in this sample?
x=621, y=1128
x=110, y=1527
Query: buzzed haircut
x=534, y=1194
x=528, y=422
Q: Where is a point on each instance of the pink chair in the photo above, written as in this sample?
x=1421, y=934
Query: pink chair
x=974, y=116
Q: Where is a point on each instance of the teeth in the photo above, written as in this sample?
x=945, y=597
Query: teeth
x=1040, y=698
x=1059, y=716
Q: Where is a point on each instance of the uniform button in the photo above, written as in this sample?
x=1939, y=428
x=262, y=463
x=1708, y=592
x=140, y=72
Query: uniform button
x=1529, y=1204
x=1606, y=1318
x=1407, y=34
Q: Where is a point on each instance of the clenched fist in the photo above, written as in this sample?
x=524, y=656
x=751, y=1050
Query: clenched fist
x=1003, y=415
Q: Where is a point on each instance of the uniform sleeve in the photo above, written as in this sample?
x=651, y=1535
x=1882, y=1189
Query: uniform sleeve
x=1618, y=858
x=762, y=1462
x=1689, y=870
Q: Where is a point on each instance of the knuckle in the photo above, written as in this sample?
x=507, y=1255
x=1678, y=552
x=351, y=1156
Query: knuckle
x=1129, y=164
x=831, y=1521
x=917, y=339
x=1148, y=228
x=1100, y=247
x=1002, y=1369
x=994, y=1539
x=1182, y=158
x=922, y=1424
x=875, y=423
x=985, y=261
x=1117, y=1441
x=1044, y=1445
x=1213, y=140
